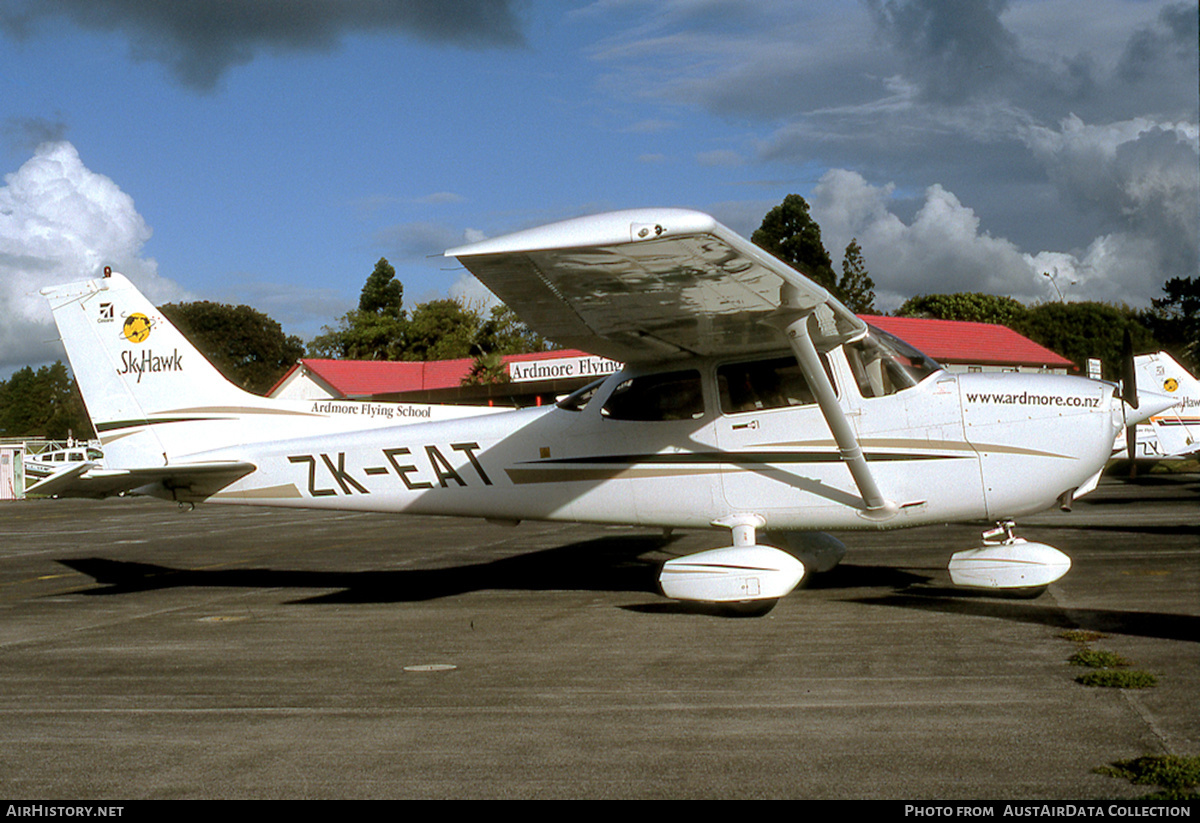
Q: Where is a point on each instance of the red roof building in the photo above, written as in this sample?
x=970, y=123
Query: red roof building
x=540, y=373
x=959, y=346
x=964, y=346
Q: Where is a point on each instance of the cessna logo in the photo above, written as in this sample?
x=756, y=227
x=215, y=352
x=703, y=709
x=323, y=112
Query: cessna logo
x=148, y=363
x=137, y=328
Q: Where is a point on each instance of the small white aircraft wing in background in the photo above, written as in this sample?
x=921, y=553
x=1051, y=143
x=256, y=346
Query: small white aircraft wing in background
x=651, y=285
x=91, y=480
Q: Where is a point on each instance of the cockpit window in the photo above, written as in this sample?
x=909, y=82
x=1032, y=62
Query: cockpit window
x=884, y=364
x=668, y=396
x=576, y=400
x=762, y=384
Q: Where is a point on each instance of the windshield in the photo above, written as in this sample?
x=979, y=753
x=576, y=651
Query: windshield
x=578, y=399
x=884, y=364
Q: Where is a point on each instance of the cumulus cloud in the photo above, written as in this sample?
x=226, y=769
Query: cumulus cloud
x=61, y=222
x=1141, y=179
x=1153, y=49
x=955, y=50
x=941, y=249
x=993, y=50
x=1013, y=137
x=944, y=248
x=1137, y=173
x=199, y=40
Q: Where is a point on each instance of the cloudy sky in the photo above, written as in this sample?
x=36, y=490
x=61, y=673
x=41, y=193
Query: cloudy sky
x=269, y=153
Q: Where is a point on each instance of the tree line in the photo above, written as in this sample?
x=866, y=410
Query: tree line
x=1077, y=331
x=382, y=329
x=253, y=351
x=1084, y=329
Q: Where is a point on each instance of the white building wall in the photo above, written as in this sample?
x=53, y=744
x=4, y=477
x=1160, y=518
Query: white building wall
x=301, y=385
x=960, y=368
x=12, y=473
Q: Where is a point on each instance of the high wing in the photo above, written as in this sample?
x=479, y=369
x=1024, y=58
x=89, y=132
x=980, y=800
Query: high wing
x=198, y=480
x=651, y=284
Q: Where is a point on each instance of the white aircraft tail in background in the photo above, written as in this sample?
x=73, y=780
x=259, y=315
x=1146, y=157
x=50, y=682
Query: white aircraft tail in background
x=1173, y=433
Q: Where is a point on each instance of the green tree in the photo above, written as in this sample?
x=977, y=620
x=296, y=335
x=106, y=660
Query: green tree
x=856, y=288
x=1078, y=331
x=361, y=336
x=245, y=345
x=380, y=328
x=505, y=333
x=440, y=330
x=972, y=306
x=45, y=403
x=373, y=331
x=487, y=370
x=1175, y=320
x=382, y=294
x=790, y=233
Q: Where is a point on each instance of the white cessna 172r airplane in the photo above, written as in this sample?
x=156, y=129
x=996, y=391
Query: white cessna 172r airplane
x=751, y=401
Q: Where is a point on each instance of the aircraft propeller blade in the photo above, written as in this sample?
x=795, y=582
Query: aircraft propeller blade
x=1129, y=393
x=1128, y=374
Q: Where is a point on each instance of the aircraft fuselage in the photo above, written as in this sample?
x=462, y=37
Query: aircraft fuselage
x=954, y=447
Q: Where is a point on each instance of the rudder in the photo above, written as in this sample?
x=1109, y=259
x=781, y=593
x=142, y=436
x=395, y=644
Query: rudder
x=135, y=369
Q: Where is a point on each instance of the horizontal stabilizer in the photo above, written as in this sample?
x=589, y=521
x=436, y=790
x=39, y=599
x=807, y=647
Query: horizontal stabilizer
x=185, y=481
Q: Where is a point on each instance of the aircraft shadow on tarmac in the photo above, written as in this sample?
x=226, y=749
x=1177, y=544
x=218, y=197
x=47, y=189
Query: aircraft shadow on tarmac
x=618, y=564
x=623, y=564
x=1178, y=488
x=604, y=564
x=1107, y=621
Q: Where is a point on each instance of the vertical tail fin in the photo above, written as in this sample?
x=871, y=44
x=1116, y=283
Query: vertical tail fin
x=1178, y=428
x=137, y=371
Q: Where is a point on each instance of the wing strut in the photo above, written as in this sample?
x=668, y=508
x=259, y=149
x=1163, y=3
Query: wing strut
x=792, y=319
